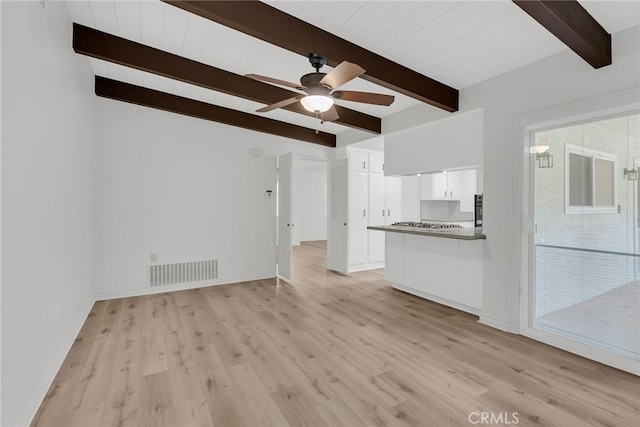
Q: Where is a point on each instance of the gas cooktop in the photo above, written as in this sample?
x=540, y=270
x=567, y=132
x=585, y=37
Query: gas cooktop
x=431, y=225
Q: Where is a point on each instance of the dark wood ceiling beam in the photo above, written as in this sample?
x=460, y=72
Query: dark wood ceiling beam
x=281, y=29
x=97, y=44
x=126, y=92
x=574, y=26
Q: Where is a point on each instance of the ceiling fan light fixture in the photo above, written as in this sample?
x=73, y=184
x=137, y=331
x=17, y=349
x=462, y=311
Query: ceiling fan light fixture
x=317, y=103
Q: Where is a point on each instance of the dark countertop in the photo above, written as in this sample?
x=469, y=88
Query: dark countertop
x=447, y=233
x=448, y=221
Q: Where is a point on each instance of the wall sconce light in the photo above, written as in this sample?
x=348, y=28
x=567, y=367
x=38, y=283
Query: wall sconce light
x=631, y=174
x=545, y=160
x=538, y=149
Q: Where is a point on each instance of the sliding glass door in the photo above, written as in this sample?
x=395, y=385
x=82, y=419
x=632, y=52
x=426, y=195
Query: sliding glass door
x=585, y=250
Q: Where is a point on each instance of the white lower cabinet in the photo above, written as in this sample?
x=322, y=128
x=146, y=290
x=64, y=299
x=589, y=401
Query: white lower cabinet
x=393, y=253
x=447, y=271
x=375, y=249
x=358, y=220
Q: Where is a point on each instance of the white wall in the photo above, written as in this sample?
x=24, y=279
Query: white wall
x=410, y=198
x=185, y=189
x=310, y=199
x=48, y=159
x=554, y=81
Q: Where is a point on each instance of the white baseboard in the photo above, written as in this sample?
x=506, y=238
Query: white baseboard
x=100, y=296
x=439, y=300
x=494, y=323
x=364, y=267
x=58, y=355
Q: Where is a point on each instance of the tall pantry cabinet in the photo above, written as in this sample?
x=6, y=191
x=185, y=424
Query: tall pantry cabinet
x=373, y=199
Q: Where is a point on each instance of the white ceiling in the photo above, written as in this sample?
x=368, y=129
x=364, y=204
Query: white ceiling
x=459, y=43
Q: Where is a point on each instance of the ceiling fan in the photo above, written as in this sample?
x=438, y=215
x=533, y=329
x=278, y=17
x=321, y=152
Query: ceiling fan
x=321, y=88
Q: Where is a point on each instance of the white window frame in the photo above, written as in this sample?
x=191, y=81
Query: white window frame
x=520, y=296
x=594, y=154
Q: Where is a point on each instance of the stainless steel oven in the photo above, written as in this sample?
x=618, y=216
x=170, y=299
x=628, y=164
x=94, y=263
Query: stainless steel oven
x=477, y=210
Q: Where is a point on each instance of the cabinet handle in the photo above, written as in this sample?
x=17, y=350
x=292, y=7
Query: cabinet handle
x=382, y=212
x=388, y=212
x=451, y=193
x=445, y=193
x=364, y=212
x=364, y=165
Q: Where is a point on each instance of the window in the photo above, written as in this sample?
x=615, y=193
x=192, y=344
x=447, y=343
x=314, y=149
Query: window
x=590, y=181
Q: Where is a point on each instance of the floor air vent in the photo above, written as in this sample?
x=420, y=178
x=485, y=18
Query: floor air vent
x=182, y=272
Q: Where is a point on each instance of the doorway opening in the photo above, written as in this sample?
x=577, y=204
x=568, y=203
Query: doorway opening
x=584, y=247
x=302, y=214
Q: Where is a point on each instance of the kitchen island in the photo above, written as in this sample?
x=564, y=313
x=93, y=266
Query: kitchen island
x=441, y=265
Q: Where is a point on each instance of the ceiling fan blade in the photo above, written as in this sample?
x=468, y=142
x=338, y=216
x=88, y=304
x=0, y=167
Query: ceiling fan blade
x=365, y=97
x=274, y=81
x=344, y=72
x=330, y=115
x=280, y=104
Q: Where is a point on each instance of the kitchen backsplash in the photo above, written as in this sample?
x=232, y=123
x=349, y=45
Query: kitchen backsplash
x=442, y=210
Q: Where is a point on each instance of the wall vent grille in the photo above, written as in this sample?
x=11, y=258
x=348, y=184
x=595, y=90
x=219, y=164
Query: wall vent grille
x=182, y=272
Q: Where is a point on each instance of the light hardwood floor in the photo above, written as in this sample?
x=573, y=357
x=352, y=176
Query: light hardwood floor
x=326, y=350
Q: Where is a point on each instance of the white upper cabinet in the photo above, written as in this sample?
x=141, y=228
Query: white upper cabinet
x=441, y=186
x=451, y=143
x=460, y=140
x=376, y=162
x=452, y=185
x=358, y=161
x=411, y=151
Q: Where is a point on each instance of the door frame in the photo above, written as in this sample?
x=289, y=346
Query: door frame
x=289, y=227
x=521, y=295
